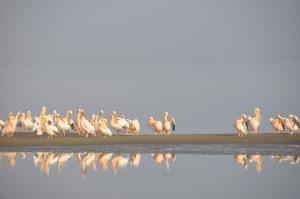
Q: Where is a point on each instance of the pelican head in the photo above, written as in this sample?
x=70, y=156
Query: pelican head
x=44, y=109
x=279, y=117
x=243, y=116
x=151, y=118
x=114, y=114
x=258, y=113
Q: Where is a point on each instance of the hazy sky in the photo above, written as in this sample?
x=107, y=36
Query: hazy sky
x=205, y=62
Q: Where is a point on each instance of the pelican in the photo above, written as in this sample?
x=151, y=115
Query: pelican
x=277, y=124
x=2, y=124
x=86, y=126
x=103, y=128
x=77, y=124
x=254, y=122
x=37, y=128
x=25, y=122
x=155, y=125
x=63, y=123
x=119, y=123
x=240, y=125
x=134, y=126
x=296, y=121
x=289, y=123
x=43, y=112
x=168, y=125
x=10, y=127
x=49, y=129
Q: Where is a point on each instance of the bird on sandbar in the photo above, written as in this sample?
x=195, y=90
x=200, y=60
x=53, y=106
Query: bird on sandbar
x=119, y=124
x=253, y=123
x=240, y=125
x=168, y=124
x=277, y=124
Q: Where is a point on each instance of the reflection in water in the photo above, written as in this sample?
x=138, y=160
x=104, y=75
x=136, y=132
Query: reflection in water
x=244, y=161
x=166, y=157
x=288, y=158
x=116, y=161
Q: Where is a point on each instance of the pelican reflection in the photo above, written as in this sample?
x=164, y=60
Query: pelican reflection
x=167, y=158
x=48, y=162
x=244, y=160
x=293, y=160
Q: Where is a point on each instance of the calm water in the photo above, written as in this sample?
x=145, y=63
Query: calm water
x=161, y=171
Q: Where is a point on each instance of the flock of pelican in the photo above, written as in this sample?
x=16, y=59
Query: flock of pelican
x=114, y=161
x=279, y=123
x=54, y=124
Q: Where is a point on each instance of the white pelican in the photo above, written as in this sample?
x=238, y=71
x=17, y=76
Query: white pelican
x=43, y=112
x=103, y=128
x=2, y=124
x=168, y=125
x=134, y=126
x=119, y=124
x=86, y=126
x=25, y=122
x=155, y=125
x=10, y=127
x=254, y=123
x=37, y=128
x=62, y=124
x=240, y=125
x=296, y=121
x=277, y=124
x=289, y=123
x=77, y=124
x=49, y=129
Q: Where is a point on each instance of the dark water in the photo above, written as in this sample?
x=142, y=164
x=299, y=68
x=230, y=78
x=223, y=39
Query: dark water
x=151, y=171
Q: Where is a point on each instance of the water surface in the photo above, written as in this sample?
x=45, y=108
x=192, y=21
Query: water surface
x=131, y=171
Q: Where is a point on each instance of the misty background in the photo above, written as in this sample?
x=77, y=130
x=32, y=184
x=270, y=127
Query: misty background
x=205, y=62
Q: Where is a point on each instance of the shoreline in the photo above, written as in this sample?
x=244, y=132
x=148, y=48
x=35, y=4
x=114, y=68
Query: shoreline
x=71, y=139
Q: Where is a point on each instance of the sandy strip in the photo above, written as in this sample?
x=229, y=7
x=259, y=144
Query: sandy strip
x=22, y=139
